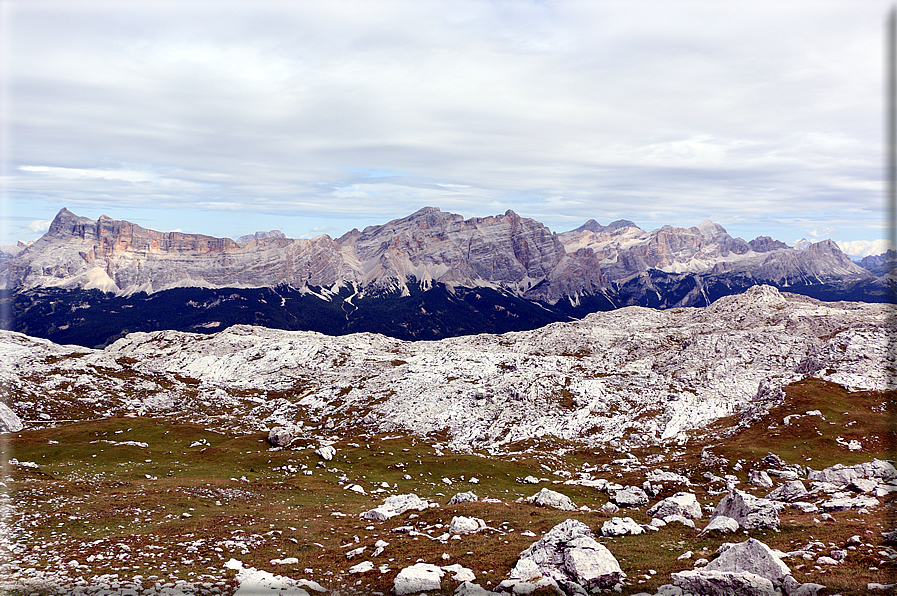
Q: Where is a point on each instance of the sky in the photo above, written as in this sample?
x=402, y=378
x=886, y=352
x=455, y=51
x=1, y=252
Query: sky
x=226, y=118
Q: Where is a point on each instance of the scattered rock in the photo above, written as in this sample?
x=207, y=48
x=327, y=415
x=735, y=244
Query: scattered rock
x=610, y=508
x=549, y=498
x=842, y=475
x=845, y=503
x=326, y=452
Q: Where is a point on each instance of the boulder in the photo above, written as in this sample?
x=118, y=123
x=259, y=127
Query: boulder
x=753, y=556
x=679, y=518
x=749, y=567
x=750, y=512
x=549, y=498
x=460, y=573
x=403, y=503
x=862, y=485
x=9, y=420
x=569, y=555
x=420, y=577
x=720, y=583
x=466, y=525
x=845, y=503
x=760, y=478
x=791, y=490
x=630, y=496
x=396, y=505
x=282, y=436
x=684, y=504
x=325, y=452
x=842, y=475
x=463, y=498
x=621, y=526
x=721, y=524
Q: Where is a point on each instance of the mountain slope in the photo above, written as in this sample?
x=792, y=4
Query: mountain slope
x=429, y=275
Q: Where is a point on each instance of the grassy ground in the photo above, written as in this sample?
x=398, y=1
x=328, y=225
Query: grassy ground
x=193, y=498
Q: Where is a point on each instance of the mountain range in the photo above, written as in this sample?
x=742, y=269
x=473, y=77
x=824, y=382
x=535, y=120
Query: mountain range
x=429, y=275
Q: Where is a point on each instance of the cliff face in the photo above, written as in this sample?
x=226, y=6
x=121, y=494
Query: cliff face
x=506, y=252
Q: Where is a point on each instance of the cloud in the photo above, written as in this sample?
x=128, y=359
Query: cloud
x=658, y=112
x=864, y=248
x=38, y=225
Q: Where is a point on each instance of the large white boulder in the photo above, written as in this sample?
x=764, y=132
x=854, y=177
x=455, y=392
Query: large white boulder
x=631, y=496
x=721, y=524
x=9, y=421
x=396, y=505
x=621, y=526
x=791, y=490
x=467, y=497
x=721, y=583
x=760, y=478
x=750, y=512
x=569, y=555
x=684, y=504
x=466, y=525
x=549, y=498
x=418, y=578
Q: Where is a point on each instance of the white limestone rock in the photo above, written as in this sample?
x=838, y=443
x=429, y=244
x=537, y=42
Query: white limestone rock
x=679, y=519
x=791, y=490
x=466, y=525
x=549, y=498
x=621, y=526
x=749, y=567
x=722, y=583
x=326, y=452
x=283, y=436
x=396, y=505
x=569, y=555
x=722, y=524
x=683, y=503
x=460, y=573
x=630, y=496
x=842, y=475
x=466, y=497
x=417, y=578
x=9, y=421
x=845, y=503
x=750, y=512
x=760, y=478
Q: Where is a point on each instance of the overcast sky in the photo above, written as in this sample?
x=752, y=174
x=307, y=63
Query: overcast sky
x=317, y=117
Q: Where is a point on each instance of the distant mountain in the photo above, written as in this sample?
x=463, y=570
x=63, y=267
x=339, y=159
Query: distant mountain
x=880, y=264
x=244, y=240
x=429, y=275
